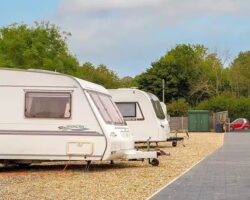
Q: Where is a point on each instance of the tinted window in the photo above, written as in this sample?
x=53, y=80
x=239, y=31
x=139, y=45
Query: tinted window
x=127, y=109
x=47, y=105
x=107, y=108
x=130, y=110
x=101, y=108
x=157, y=106
x=111, y=109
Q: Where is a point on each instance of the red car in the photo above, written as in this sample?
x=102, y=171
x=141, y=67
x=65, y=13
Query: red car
x=240, y=124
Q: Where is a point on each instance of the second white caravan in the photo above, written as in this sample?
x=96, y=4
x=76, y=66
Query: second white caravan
x=144, y=115
x=50, y=116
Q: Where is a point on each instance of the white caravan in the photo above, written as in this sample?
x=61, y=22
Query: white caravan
x=49, y=116
x=144, y=114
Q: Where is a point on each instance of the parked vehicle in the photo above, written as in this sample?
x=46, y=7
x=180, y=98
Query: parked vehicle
x=144, y=114
x=49, y=116
x=240, y=124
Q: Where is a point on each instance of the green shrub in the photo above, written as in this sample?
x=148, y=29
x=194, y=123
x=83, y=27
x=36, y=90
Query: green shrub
x=236, y=106
x=178, y=108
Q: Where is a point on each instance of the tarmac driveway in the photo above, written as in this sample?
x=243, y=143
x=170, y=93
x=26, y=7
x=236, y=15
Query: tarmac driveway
x=223, y=175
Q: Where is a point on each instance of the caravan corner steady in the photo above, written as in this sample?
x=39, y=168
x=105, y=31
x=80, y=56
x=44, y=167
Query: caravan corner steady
x=144, y=115
x=48, y=116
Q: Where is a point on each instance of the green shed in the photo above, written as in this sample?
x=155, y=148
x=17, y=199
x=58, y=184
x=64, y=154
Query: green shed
x=198, y=120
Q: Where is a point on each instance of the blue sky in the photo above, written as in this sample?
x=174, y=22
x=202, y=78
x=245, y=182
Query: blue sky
x=26, y=11
x=128, y=35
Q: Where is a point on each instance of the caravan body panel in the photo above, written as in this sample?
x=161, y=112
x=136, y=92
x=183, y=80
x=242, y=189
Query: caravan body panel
x=143, y=121
x=51, y=116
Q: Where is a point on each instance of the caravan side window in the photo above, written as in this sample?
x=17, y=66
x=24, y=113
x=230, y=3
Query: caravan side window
x=157, y=106
x=101, y=108
x=107, y=108
x=130, y=110
x=47, y=105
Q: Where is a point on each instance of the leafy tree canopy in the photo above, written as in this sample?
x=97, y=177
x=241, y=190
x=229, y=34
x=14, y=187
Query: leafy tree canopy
x=42, y=46
x=236, y=106
x=178, y=108
x=100, y=75
x=240, y=74
x=189, y=71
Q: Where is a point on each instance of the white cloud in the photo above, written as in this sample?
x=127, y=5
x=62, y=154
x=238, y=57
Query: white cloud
x=117, y=29
x=94, y=5
x=186, y=6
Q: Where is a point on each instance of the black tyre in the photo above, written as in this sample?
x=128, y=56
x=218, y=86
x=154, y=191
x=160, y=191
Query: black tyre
x=174, y=143
x=246, y=128
x=155, y=162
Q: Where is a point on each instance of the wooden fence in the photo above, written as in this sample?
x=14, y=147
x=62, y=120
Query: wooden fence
x=181, y=123
x=178, y=123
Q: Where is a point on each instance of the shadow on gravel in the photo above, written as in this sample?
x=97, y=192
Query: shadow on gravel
x=152, y=147
x=164, y=145
x=54, y=167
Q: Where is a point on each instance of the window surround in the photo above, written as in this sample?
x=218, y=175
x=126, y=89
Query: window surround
x=133, y=118
x=48, y=92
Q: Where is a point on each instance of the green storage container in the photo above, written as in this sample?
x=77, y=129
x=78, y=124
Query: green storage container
x=198, y=120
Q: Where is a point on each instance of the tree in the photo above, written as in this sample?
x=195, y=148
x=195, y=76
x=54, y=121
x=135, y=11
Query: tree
x=178, y=108
x=41, y=46
x=240, y=74
x=100, y=75
x=236, y=106
x=213, y=79
x=127, y=82
x=189, y=71
x=180, y=68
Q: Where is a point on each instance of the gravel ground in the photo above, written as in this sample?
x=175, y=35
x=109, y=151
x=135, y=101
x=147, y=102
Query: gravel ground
x=123, y=180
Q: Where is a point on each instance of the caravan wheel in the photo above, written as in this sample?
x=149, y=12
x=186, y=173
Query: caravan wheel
x=174, y=143
x=155, y=162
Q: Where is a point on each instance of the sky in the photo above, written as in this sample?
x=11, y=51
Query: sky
x=127, y=35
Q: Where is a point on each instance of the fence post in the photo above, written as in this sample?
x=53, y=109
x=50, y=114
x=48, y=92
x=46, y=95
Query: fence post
x=181, y=122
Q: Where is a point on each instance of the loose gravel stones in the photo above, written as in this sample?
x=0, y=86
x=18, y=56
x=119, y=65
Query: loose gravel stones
x=123, y=180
